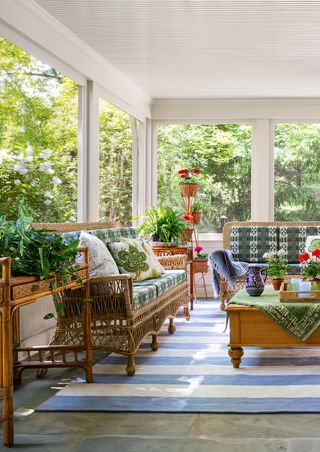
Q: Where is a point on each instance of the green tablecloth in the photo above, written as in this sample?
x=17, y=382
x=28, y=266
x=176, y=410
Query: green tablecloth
x=299, y=319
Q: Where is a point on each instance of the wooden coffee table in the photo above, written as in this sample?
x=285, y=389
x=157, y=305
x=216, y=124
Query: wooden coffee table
x=251, y=328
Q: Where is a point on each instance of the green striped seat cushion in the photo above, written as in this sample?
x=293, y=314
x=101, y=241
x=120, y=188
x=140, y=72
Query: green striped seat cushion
x=160, y=285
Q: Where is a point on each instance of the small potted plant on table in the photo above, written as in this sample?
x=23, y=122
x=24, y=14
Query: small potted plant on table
x=310, y=267
x=277, y=267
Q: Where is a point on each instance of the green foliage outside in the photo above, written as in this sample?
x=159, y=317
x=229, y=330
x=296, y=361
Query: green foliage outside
x=115, y=178
x=222, y=153
x=297, y=172
x=38, y=137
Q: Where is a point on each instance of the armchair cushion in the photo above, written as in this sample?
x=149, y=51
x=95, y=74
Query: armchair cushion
x=249, y=243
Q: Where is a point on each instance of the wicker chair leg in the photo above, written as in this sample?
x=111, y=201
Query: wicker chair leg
x=131, y=367
x=154, y=343
x=171, y=327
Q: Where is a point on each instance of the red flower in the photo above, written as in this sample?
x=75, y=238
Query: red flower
x=182, y=176
x=316, y=252
x=187, y=217
x=304, y=257
x=196, y=171
x=183, y=171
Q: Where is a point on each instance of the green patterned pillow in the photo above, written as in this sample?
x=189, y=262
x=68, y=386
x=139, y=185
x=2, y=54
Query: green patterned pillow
x=135, y=257
x=312, y=242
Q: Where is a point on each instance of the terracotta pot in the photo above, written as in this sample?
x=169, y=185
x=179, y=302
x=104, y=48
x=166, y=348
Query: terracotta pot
x=277, y=283
x=187, y=235
x=196, y=217
x=189, y=189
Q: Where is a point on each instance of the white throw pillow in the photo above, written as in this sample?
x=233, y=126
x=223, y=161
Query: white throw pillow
x=135, y=257
x=101, y=262
x=312, y=242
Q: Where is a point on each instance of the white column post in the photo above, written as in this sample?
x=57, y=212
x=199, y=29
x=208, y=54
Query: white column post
x=154, y=167
x=149, y=188
x=82, y=188
x=262, y=168
x=93, y=152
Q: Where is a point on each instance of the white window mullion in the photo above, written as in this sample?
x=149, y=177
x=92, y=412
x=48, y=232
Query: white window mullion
x=262, y=168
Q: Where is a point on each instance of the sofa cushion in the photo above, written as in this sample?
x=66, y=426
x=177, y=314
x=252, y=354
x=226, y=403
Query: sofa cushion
x=165, y=282
x=111, y=235
x=148, y=290
x=312, y=243
x=143, y=294
x=249, y=243
x=292, y=239
x=101, y=262
x=135, y=257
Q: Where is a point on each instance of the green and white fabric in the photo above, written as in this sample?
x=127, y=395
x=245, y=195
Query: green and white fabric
x=101, y=262
x=136, y=258
x=111, y=235
x=312, y=243
x=143, y=294
x=249, y=243
x=165, y=282
x=293, y=239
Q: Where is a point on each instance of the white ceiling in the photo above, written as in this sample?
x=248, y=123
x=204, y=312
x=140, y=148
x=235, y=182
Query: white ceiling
x=204, y=48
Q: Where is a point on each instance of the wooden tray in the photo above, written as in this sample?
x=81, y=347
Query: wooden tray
x=304, y=294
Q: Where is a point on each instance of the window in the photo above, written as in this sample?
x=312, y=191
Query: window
x=222, y=153
x=38, y=137
x=297, y=172
x=115, y=169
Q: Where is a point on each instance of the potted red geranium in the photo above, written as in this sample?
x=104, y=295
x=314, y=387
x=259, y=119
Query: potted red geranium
x=310, y=265
x=189, y=182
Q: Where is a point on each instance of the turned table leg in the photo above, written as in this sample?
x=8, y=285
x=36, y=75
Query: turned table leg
x=235, y=354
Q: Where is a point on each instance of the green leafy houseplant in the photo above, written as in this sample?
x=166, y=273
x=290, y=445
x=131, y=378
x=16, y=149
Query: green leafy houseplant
x=163, y=224
x=196, y=206
x=40, y=252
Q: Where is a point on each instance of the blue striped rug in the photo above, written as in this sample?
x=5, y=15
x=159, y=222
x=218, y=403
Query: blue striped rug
x=191, y=372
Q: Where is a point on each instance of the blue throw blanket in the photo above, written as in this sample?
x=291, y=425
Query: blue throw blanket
x=222, y=263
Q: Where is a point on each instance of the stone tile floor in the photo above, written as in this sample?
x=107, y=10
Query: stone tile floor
x=145, y=432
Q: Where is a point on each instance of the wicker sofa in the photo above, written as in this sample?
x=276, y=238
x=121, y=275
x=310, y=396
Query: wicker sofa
x=248, y=241
x=123, y=312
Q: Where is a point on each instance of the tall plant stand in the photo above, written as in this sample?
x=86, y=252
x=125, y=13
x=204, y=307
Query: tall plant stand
x=188, y=196
x=16, y=293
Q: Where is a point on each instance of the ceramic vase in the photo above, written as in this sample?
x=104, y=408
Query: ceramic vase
x=256, y=279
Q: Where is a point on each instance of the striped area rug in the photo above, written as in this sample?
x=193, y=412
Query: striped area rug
x=191, y=372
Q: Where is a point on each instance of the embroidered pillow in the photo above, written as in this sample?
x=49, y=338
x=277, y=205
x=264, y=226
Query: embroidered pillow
x=312, y=242
x=101, y=262
x=135, y=257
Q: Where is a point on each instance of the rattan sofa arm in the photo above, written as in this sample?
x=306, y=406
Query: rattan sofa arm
x=176, y=261
x=115, y=292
